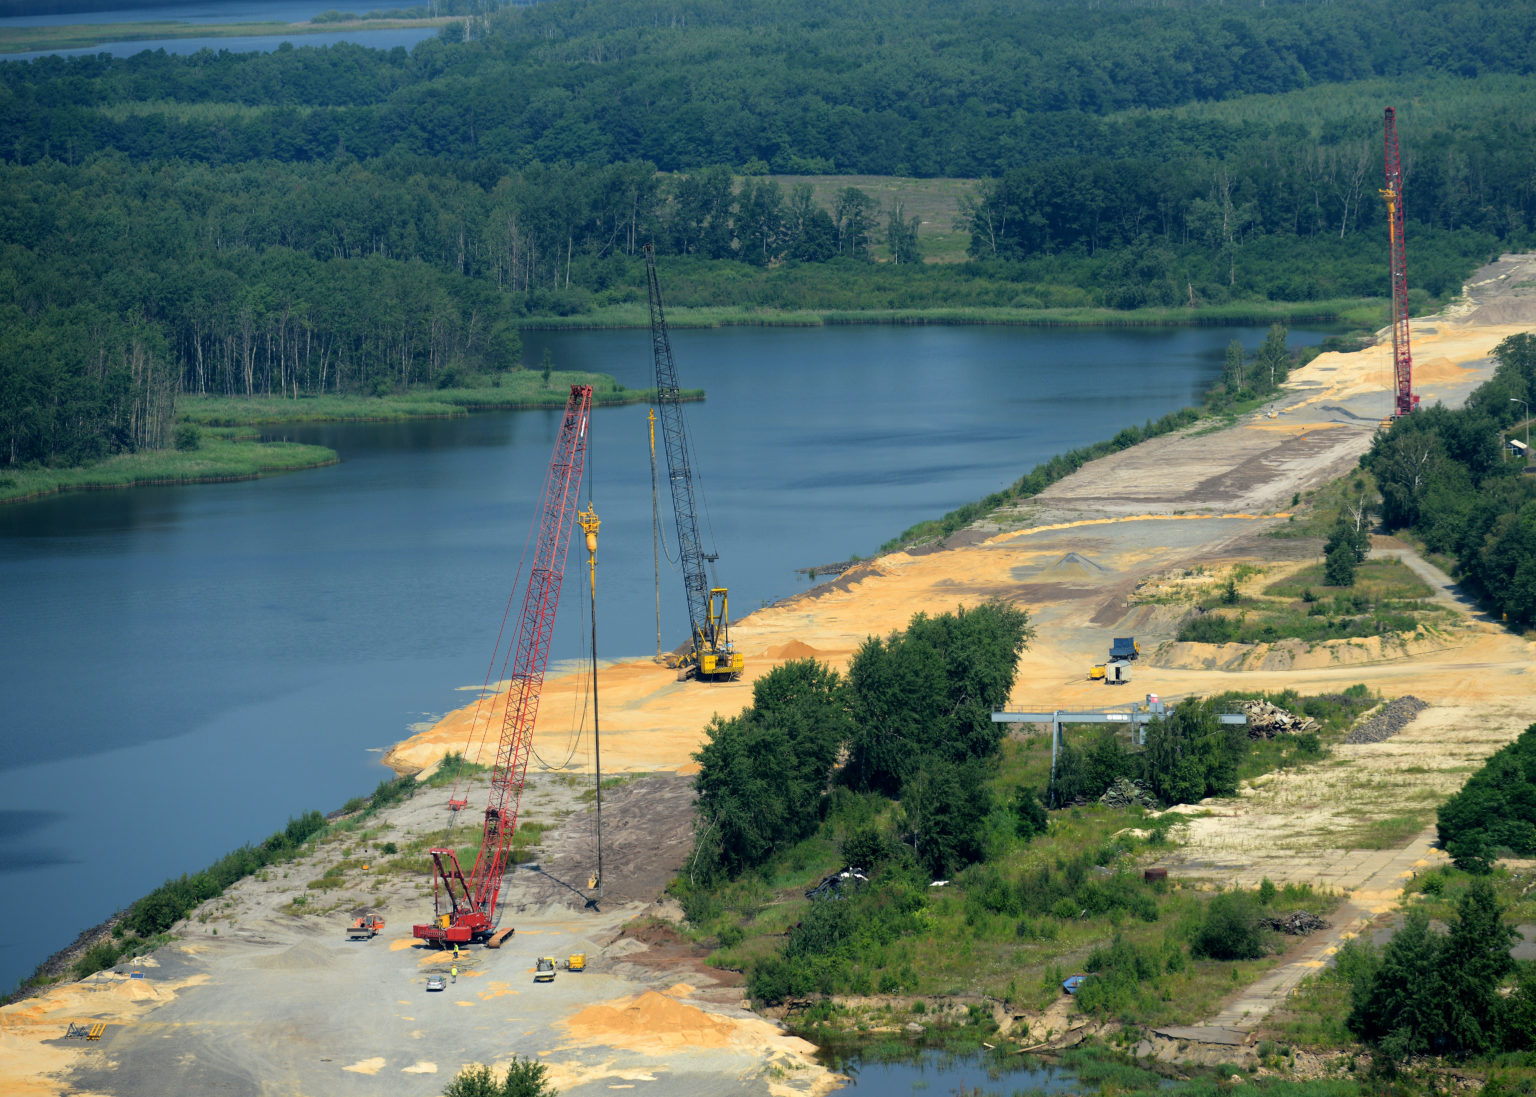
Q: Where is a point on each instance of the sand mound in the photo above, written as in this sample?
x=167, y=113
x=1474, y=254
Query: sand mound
x=300, y=957
x=1439, y=369
x=793, y=650
x=1074, y=564
x=650, y=1022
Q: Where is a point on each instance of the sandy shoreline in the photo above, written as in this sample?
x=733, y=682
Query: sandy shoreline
x=1072, y=555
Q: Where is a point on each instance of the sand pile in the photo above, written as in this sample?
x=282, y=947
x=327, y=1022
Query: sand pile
x=29, y=1066
x=657, y=1024
x=307, y=956
x=1074, y=565
x=795, y=649
x=652, y=1023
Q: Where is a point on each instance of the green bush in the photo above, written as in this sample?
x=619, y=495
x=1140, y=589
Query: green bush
x=187, y=437
x=1029, y=817
x=99, y=957
x=1339, y=567
x=525, y=1078
x=945, y=810
x=763, y=774
x=1209, y=628
x=929, y=693
x=1125, y=975
x=1230, y=929
x=866, y=847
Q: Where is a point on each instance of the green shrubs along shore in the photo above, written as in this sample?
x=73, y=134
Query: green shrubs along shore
x=214, y=439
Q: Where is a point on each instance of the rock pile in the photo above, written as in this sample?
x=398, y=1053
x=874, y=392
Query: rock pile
x=1298, y=923
x=1390, y=719
x=1265, y=720
x=1124, y=793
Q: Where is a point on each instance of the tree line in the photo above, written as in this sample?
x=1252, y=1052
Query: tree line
x=343, y=220
x=1458, y=992
x=914, y=717
x=966, y=89
x=1443, y=475
x=1494, y=814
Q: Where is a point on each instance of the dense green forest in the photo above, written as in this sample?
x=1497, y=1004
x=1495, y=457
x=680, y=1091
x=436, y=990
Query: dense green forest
x=342, y=220
x=1442, y=476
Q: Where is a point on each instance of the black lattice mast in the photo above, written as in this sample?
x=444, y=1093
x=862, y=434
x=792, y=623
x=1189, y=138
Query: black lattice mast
x=674, y=438
x=1402, y=357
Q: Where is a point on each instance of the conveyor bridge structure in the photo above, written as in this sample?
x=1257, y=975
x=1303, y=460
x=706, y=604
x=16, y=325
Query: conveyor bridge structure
x=1135, y=716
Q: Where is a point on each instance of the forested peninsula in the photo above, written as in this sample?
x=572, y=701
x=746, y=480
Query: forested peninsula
x=339, y=221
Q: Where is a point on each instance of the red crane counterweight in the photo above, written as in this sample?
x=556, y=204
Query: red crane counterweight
x=1404, y=401
x=472, y=902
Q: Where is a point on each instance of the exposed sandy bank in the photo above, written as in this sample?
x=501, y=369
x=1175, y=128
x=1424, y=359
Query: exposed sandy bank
x=278, y=1004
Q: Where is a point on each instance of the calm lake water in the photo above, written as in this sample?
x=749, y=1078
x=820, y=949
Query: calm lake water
x=207, y=11
x=940, y=1074
x=187, y=667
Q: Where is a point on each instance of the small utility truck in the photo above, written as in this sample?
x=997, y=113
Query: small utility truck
x=365, y=928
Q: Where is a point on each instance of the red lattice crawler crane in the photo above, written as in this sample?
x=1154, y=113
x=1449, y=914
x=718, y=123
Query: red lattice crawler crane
x=1402, y=358
x=465, y=908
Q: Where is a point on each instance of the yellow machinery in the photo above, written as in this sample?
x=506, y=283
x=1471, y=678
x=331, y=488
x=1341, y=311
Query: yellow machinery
x=577, y=962
x=710, y=652
x=717, y=657
x=544, y=970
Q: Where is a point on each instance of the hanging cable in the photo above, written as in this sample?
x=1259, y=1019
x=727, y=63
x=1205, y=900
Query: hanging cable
x=475, y=743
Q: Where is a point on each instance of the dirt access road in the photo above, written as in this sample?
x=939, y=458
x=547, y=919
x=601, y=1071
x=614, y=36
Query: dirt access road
x=278, y=1003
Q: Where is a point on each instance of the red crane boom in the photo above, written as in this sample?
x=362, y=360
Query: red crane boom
x=471, y=902
x=1402, y=360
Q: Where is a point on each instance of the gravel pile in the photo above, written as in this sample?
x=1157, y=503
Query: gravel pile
x=1393, y=718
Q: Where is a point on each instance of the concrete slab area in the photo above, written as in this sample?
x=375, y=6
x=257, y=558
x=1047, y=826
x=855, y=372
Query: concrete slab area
x=1204, y=1034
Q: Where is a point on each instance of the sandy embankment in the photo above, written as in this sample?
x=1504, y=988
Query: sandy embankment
x=1072, y=556
x=31, y=1057
x=1182, y=505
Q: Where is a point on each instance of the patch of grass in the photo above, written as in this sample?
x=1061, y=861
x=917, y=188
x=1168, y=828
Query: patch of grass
x=935, y=202
x=523, y=388
x=1387, y=833
x=1375, y=581
x=216, y=459
x=1386, y=601
x=618, y=780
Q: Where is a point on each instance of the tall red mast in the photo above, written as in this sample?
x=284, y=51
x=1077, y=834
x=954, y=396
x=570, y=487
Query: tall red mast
x=471, y=902
x=1402, y=360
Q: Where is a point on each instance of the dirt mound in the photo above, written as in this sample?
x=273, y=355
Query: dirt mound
x=1074, y=565
x=300, y=957
x=651, y=1022
x=793, y=650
